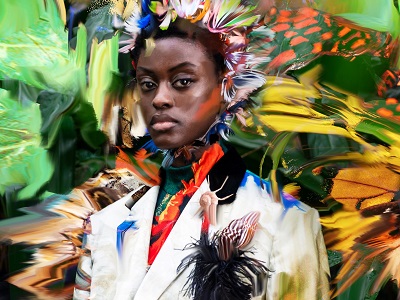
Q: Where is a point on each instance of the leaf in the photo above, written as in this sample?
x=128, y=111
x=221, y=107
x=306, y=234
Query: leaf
x=358, y=188
x=303, y=35
x=227, y=15
x=23, y=161
x=18, y=16
x=361, y=288
x=47, y=66
x=365, y=230
x=53, y=107
x=275, y=151
x=379, y=15
x=103, y=63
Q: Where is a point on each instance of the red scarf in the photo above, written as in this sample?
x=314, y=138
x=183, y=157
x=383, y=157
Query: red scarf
x=167, y=219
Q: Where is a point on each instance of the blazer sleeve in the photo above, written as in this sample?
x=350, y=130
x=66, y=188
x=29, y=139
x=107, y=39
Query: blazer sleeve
x=98, y=265
x=83, y=277
x=299, y=259
x=324, y=270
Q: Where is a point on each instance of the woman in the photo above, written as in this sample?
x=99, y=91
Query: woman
x=251, y=246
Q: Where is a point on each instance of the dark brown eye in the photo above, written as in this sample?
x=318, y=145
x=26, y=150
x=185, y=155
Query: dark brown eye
x=147, y=85
x=182, y=83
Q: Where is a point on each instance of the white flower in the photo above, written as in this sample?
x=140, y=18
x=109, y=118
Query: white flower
x=131, y=24
x=186, y=8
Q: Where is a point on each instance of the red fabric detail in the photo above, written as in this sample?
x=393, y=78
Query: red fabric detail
x=167, y=219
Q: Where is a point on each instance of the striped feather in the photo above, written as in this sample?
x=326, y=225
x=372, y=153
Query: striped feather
x=237, y=234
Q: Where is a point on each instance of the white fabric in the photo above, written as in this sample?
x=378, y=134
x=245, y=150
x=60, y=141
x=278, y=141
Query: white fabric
x=288, y=241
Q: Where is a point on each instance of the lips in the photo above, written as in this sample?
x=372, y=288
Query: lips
x=162, y=122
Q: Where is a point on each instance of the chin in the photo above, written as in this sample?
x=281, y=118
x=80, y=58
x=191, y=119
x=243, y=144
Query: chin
x=168, y=140
x=166, y=144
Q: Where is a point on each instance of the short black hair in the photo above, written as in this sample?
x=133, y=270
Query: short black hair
x=184, y=29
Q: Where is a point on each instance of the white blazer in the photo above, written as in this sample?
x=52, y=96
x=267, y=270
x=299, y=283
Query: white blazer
x=289, y=241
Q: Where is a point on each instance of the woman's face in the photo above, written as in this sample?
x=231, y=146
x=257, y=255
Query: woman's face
x=180, y=93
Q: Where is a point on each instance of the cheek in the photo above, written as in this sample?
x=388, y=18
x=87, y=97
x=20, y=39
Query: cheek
x=211, y=107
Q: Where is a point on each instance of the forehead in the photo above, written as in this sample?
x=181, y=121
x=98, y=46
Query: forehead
x=172, y=51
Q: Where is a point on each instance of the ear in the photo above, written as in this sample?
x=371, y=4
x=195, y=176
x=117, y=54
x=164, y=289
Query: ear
x=221, y=76
x=222, y=103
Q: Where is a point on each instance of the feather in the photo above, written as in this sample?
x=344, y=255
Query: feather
x=132, y=25
x=222, y=270
x=220, y=127
x=246, y=82
x=303, y=35
x=187, y=8
x=228, y=15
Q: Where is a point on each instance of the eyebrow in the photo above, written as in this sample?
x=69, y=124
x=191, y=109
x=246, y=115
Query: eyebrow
x=181, y=65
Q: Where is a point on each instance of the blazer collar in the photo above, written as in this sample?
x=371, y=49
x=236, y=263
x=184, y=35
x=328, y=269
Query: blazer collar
x=152, y=284
x=164, y=269
x=230, y=166
x=135, y=249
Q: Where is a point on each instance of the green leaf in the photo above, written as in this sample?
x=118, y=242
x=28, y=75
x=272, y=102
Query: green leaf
x=361, y=288
x=19, y=15
x=23, y=161
x=379, y=15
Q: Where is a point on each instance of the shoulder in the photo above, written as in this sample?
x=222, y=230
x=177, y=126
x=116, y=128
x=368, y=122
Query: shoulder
x=286, y=212
x=115, y=213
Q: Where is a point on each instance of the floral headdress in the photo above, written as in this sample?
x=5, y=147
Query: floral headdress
x=232, y=20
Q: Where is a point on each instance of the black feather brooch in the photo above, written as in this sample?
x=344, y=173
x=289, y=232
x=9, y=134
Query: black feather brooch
x=222, y=270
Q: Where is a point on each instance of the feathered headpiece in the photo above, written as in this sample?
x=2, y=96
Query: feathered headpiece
x=232, y=20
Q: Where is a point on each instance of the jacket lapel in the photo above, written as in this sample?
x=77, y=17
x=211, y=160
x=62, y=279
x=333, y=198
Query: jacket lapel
x=135, y=249
x=164, y=269
x=186, y=231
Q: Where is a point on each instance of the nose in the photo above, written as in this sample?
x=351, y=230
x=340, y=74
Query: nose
x=163, y=97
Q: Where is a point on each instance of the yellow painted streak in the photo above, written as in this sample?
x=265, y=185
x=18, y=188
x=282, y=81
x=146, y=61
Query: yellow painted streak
x=349, y=226
x=61, y=10
x=103, y=63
